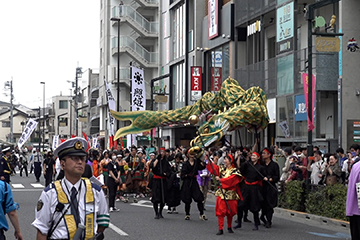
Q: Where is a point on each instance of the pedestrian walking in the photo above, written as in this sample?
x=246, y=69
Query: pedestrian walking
x=9, y=207
x=72, y=205
x=48, y=168
x=31, y=161
x=190, y=188
x=24, y=164
x=253, y=173
x=269, y=188
x=5, y=169
x=38, y=159
x=161, y=170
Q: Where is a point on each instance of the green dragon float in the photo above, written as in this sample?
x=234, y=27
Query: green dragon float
x=227, y=110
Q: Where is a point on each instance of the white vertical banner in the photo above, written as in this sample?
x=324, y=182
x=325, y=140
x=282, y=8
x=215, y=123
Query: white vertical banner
x=138, y=101
x=94, y=142
x=111, y=104
x=29, y=128
x=55, y=142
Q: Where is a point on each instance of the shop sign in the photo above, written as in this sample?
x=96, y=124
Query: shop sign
x=254, y=28
x=196, y=79
x=285, y=22
x=213, y=18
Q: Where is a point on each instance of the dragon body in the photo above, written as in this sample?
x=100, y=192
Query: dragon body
x=230, y=108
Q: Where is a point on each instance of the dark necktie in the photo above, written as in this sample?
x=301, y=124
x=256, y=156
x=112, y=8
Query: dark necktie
x=74, y=205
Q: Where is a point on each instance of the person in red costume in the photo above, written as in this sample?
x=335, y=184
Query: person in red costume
x=228, y=193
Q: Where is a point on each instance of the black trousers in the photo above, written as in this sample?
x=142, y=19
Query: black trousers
x=24, y=167
x=2, y=235
x=355, y=226
x=112, y=186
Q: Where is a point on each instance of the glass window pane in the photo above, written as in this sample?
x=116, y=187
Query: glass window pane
x=285, y=75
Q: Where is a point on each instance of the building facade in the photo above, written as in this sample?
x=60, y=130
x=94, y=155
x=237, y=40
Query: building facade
x=136, y=23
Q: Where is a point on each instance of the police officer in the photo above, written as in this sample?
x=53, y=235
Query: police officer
x=38, y=159
x=5, y=169
x=67, y=206
x=8, y=207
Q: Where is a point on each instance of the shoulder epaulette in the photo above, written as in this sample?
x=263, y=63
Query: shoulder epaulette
x=96, y=187
x=50, y=186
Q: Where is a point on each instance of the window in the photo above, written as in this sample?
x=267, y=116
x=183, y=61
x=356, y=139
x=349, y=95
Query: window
x=63, y=122
x=179, y=32
x=285, y=75
x=6, y=124
x=63, y=104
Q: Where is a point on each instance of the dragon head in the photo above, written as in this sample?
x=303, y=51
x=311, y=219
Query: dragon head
x=211, y=132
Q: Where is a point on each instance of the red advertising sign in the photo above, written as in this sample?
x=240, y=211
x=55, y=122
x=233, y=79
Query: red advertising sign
x=216, y=79
x=213, y=18
x=196, y=77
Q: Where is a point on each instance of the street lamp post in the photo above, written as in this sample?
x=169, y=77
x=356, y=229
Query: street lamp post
x=117, y=19
x=43, y=115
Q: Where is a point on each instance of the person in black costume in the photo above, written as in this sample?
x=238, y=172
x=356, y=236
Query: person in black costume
x=48, y=168
x=161, y=170
x=174, y=197
x=190, y=188
x=253, y=172
x=269, y=188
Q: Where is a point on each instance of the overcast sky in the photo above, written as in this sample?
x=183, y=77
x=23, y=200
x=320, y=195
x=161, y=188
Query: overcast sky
x=44, y=41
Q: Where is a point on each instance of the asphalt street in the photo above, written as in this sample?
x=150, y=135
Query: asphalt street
x=136, y=221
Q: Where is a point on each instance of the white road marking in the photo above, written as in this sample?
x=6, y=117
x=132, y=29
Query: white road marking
x=17, y=185
x=27, y=190
x=141, y=203
x=117, y=230
x=37, y=185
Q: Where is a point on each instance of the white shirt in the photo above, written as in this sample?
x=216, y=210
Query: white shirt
x=57, y=167
x=45, y=215
x=316, y=168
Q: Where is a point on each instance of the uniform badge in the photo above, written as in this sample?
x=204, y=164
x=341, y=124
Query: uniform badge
x=78, y=145
x=39, y=205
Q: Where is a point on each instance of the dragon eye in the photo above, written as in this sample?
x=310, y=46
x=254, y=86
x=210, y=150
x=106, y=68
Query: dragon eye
x=206, y=130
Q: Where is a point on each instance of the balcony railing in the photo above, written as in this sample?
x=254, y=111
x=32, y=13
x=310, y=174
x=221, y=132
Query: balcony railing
x=128, y=42
x=128, y=11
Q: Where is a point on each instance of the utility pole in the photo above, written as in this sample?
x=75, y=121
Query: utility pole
x=39, y=130
x=11, y=112
x=78, y=75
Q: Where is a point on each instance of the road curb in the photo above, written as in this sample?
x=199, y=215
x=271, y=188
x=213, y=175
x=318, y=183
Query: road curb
x=306, y=216
x=311, y=217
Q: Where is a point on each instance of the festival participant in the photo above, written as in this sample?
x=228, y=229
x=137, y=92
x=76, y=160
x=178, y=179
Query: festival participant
x=190, y=188
x=161, y=170
x=135, y=173
x=174, y=197
x=228, y=192
x=113, y=181
x=253, y=173
x=269, y=188
x=104, y=169
x=123, y=171
x=204, y=179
